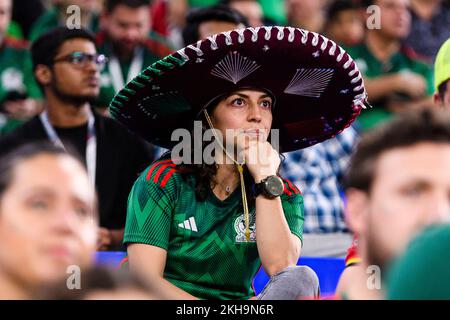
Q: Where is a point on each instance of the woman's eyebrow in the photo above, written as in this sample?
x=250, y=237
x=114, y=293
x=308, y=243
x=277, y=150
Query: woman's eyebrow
x=242, y=95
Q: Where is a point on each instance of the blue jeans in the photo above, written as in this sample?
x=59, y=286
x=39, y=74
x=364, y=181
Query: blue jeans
x=299, y=282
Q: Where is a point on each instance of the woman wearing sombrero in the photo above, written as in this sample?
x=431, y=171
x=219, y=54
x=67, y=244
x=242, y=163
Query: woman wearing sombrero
x=203, y=230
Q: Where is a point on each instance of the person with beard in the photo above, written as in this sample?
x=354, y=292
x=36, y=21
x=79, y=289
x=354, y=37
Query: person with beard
x=67, y=67
x=398, y=183
x=125, y=40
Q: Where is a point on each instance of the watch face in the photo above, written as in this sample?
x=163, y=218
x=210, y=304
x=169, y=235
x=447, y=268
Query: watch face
x=274, y=186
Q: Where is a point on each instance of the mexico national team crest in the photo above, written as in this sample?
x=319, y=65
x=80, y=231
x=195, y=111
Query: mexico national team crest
x=239, y=227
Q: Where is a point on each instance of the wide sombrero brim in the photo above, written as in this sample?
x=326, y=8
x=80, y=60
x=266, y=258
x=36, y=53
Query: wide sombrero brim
x=317, y=86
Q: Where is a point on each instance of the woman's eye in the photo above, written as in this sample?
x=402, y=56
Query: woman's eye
x=266, y=104
x=238, y=102
x=81, y=211
x=39, y=205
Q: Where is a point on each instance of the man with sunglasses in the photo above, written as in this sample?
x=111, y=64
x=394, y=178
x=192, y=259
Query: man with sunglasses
x=67, y=67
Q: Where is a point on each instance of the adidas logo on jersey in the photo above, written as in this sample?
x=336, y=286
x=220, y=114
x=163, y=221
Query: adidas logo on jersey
x=189, y=224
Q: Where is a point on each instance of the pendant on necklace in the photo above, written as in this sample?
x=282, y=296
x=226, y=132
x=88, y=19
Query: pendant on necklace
x=228, y=189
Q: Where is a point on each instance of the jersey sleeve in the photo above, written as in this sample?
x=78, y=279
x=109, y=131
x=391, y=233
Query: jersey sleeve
x=150, y=206
x=292, y=202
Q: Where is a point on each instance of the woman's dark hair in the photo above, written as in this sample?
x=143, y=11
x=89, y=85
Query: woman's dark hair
x=11, y=159
x=427, y=125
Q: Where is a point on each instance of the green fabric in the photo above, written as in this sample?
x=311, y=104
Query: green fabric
x=371, y=67
x=16, y=72
x=10, y=125
x=14, y=30
x=423, y=271
x=212, y=262
x=274, y=10
x=50, y=20
x=107, y=91
x=202, y=3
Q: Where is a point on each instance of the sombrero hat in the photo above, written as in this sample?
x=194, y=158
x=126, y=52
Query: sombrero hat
x=316, y=85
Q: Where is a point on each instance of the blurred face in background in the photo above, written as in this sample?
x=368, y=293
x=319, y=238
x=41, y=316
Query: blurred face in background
x=251, y=9
x=346, y=27
x=127, y=27
x=297, y=10
x=48, y=220
x=5, y=15
x=410, y=190
x=395, y=18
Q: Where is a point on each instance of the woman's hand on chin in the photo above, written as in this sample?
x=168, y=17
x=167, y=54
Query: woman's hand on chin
x=261, y=159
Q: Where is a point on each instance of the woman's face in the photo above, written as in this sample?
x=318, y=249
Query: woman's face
x=244, y=115
x=48, y=220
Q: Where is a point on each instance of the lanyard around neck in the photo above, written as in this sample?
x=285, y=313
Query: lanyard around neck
x=91, y=143
x=116, y=71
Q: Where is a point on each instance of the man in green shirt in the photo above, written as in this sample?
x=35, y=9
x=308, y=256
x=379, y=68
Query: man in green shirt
x=395, y=78
x=124, y=40
x=19, y=92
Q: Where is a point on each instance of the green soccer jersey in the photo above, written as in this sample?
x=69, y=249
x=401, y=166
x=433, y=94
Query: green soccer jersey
x=371, y=67
x=207, y=252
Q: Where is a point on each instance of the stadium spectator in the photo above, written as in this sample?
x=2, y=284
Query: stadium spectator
x=19, y=93
x=396, y=79
x=60, y=15
x=204, y=22
x=306, y=14
x=48, y=218
x=398, y=183
x=319, y=171
x=251, y=9
x=192, y=224
x=442, y=75
x=67, y=67
x=430, y=26
x=124, y=39
x=344, y=23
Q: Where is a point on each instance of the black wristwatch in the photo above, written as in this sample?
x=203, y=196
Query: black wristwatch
x=270, y=187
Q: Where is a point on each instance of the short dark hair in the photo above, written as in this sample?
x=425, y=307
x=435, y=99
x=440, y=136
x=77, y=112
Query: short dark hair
x=214, y=13
x=338, y=6
x=9, y=160
x=45, y=48
x=110, y=5
x=410, y=128
x=443, y=88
